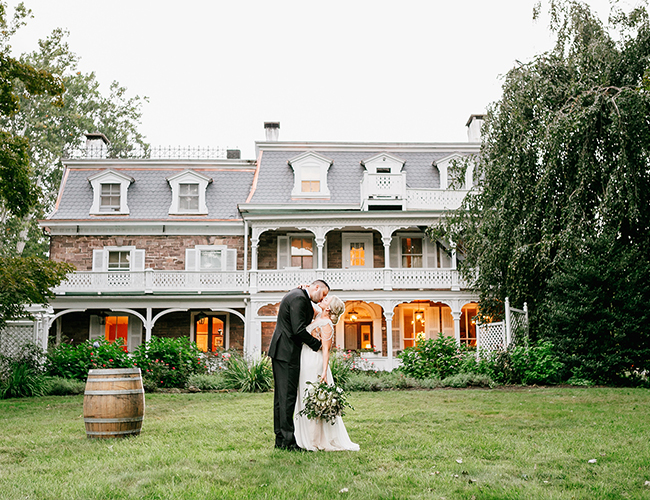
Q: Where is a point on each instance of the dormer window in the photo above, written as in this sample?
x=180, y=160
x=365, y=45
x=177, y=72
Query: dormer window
x=310, y=175
x=188, y=197
x=110, y=198
x=189, y=193
x=383, y=163
x=109, y=193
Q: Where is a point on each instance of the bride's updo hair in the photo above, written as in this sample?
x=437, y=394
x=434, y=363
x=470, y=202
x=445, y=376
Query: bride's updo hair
x=337, y=307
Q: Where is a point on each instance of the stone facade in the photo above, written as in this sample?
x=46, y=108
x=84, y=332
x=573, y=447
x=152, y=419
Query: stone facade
x=163, y=252
x=268, y=327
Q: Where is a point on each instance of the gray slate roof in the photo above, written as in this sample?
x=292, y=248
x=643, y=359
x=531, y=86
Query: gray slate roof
x=275, y=181
x=150, y=196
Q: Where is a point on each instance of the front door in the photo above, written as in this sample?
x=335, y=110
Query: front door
x=358, y=336
x=210, y=333
x=357, y=250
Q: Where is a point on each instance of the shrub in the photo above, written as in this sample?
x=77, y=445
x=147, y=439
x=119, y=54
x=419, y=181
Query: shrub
x=341, y=367
x=74, y=361
x=524, y=364
x=207, y=382
x=168, y=362
x=439, y=357
x=22, y=375
x=467, y=380
x=57, y=386
x=255, y=375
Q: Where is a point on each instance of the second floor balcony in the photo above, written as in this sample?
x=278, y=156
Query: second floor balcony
x=152, y=281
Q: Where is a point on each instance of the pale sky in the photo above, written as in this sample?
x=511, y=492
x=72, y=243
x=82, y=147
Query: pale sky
x=355, y=70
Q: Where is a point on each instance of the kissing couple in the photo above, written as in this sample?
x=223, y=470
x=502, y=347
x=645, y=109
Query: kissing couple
x=299, y=351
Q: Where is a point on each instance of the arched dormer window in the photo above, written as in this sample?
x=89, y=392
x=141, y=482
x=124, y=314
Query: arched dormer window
x=109, y=193
x=456, y=160
x=383, y=163
x=188, y=193
x=310, y=175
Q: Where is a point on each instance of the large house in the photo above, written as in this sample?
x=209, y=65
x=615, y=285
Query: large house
x=206, y=248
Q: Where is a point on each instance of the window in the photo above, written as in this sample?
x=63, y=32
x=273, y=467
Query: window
x=210, y=259
x=357, y=254
x=468, y=324
x=310, y=179
x=310, y=175
x=210, y=333
x=189, y=193
x=411, y=252
x=117, y=327
x=119, y=261
x=109, y=193
x=188, y=197
x=302, y=252
x=110, y=198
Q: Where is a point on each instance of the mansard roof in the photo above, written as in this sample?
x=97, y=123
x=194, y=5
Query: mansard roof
x=150, y=196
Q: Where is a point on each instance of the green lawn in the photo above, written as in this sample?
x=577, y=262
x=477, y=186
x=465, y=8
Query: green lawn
x=524, y=443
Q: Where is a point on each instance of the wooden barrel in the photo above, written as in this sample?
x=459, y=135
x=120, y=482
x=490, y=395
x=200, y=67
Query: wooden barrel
x=113, y=403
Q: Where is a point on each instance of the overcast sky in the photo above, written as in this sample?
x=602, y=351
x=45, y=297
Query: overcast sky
x=367, y=70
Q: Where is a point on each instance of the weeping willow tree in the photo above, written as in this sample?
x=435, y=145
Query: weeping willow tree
x=560, y=217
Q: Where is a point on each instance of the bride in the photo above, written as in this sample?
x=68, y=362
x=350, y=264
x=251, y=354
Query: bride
x=318, y=434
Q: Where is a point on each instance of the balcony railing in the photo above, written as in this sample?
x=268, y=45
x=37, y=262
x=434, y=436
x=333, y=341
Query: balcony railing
x=390, y=189
x=153, y=281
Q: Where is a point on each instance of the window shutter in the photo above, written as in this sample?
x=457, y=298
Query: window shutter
x=138, y=260
x=191, y=259
x=430, y=253
x=447, y=322
x=99, y=260
x=394, y=253
x=95, y=329
x=283, y=252
x=135, y=333
x=231, y=259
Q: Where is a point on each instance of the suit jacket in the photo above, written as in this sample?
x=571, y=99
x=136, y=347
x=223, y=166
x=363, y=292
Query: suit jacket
x=294, y=314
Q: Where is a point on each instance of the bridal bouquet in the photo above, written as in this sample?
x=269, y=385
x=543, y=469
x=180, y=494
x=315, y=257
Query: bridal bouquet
x=324, y=401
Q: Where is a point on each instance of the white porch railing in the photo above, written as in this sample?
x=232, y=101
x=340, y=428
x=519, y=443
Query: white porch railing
x=434, y=199
x=152, y=281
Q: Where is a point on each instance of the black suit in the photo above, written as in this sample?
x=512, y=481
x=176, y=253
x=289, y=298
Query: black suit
x=295, y=313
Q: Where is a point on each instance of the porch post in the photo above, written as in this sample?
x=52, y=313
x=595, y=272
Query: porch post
x=320, y=243
x=389, y=336
x=388, y=274
x=148, y=326
x=253, y=272
x=508, y=325
x=456, y=316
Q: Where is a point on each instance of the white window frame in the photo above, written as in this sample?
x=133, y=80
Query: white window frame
x=109, y=177
x=188, y=177
x=193, y=258
x=347, y=238
x=387, y=163
x=429, y=251
x=286, y=240
x=136, y=259
x=310, y=160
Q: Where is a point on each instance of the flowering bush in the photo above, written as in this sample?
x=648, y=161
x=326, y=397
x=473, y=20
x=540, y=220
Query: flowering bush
x=325, y=402
x=441, y=358
x=74, y=361
x=168, y=362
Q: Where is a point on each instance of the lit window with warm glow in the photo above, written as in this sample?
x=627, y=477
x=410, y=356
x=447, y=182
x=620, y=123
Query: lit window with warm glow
x=357, y=254
x=117, y=327
x=468, y=324
x=310, y=180
x=209, y=334
x=302, y=252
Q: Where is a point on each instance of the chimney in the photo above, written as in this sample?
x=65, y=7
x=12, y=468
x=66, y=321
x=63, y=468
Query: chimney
x=272, y=130
x=233, y=154
x=474, y=128
x=96, y=145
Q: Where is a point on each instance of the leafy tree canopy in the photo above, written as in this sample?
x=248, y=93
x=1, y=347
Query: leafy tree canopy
x=564, y=169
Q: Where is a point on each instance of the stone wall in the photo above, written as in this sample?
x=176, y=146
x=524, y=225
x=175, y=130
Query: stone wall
x=268, y=327
x=161, y=251
x=173, y=325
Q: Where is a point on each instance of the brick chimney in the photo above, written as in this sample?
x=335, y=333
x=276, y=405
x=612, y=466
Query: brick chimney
x=272, y=130
x=96, y=145
x=474, y=128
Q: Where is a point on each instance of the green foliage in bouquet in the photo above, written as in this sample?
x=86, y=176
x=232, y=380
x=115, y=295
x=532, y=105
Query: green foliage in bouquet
x=325, y=402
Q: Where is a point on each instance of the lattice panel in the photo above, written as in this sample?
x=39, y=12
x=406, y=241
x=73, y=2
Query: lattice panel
x=419, y=278
x=171, y=281
x=14, y=337
x=222, y=281
x=491, y=337
x=349, y=279
x=285, y=280
x=384, y=183
x=519, y=326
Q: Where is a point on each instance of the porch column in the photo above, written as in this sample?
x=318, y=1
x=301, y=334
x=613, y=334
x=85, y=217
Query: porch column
x=389, y=336
x=148, y=325
x=320, y=243
x=456, y=316
x=253, y=272
x=388, y=274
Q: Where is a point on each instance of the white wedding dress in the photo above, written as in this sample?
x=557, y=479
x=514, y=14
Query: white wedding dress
x=317, y=434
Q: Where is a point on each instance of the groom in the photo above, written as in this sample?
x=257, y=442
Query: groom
x=295, y=313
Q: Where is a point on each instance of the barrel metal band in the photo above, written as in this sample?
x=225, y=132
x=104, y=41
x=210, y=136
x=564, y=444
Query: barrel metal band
x=114, y=393
x=93, y=433
x=121, y=379
x=90, y=420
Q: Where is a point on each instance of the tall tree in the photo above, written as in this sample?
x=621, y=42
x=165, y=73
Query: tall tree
x=22, y=280
x=56, y=129
x=565, y=183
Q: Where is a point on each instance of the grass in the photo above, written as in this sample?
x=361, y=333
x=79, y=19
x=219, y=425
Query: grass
x=514, y=444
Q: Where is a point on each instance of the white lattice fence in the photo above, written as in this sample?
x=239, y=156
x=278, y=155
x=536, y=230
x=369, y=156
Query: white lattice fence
x=499, y=335
x=15, y=336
